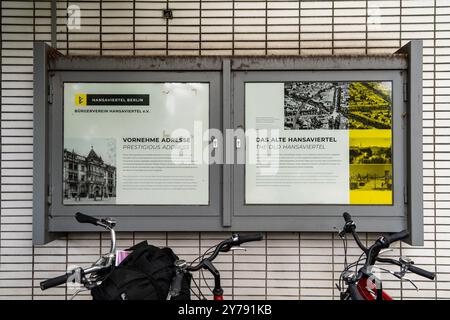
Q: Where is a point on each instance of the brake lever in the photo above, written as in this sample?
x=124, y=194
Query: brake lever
x=399, y=276
x=226, y=248
x=410, y=281
x=77, y=292
x=385, y=251
x=238, y=248
x=395, y=274
x=339, y=232
x=348, y=227
x=406, y=262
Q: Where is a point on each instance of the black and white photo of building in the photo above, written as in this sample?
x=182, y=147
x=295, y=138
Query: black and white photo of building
x=315, y=105
x=88, y=178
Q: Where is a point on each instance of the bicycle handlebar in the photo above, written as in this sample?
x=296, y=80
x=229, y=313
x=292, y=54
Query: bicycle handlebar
x=248, y=238
x=350, y=227
x=84, y=218
x=53, y=282
x=396, y=237
x=347, y=217
x=226, y=245
x=206, y=263
x=410, y=267
x=422, y=272
x=382, y=243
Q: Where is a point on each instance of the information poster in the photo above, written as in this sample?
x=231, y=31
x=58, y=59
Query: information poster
x=318, y=143
x=132, y=143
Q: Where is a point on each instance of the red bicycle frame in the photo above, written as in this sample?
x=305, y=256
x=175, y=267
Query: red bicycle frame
x=218, y=297
x=361, y=284
x=368, y=290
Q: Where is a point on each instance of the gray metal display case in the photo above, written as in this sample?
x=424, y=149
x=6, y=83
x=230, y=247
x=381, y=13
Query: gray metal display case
x=227, y=210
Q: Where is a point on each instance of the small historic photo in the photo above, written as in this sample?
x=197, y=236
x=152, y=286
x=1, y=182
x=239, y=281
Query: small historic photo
x=370, y=105
x=371, y=177
x=315, y=105
x=89, y=171
x=370, y=148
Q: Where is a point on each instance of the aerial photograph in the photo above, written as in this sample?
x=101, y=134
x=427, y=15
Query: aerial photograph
x=370, y=105
x=315, y=105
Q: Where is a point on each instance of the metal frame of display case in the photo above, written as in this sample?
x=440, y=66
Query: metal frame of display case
x=228, y=211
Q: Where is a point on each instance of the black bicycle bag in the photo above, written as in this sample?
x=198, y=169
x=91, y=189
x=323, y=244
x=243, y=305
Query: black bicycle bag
x=145, y=274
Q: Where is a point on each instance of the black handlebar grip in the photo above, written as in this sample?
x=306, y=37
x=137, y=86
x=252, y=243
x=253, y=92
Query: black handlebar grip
x=249, y=237
x=53, y=282
x=396, y=237
x=84, y=218
x=347, y=217
x=421, y=272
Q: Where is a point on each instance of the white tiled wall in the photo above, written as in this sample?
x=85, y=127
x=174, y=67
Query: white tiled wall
x=284, y=265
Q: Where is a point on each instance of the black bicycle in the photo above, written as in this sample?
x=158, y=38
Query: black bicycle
x=93, y=276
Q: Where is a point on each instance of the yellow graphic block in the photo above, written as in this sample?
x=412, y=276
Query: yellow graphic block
x=371, y=166
x=376, y=136
x=81, y=99
x=371, y=197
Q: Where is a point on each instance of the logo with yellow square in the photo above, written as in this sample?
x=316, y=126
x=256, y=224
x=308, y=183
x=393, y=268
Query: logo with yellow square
x=81, y=99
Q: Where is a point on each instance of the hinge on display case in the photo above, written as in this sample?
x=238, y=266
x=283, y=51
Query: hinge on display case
x=405, y=194
x=50, y=94
x=49, y=197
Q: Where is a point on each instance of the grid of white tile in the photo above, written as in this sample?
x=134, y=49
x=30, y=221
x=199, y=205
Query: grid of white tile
x=284, y=265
